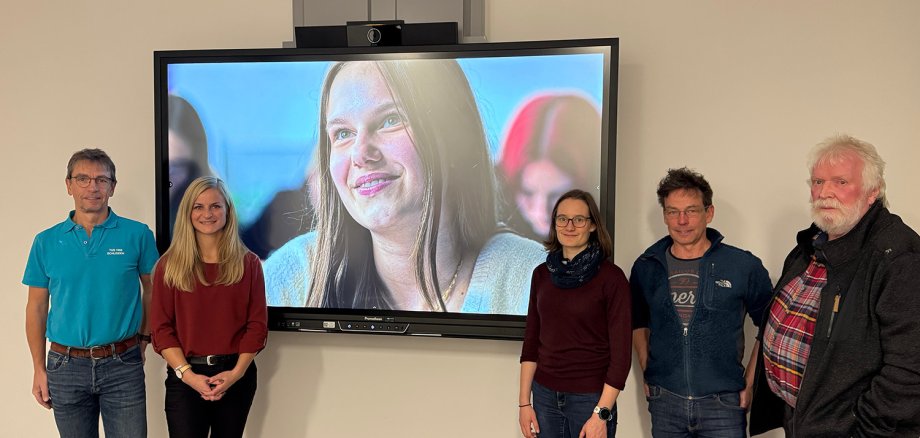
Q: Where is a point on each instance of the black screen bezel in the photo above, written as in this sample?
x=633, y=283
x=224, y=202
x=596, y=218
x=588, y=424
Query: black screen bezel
x=510, y=327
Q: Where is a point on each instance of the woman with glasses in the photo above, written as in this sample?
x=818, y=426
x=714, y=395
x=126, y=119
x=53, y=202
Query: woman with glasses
x=208, y=316
x=537, y=162
x=405, y=208
x=577, y=344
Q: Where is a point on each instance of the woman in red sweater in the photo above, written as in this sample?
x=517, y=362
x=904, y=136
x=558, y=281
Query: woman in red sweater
x=208, y=316
x=578, y=340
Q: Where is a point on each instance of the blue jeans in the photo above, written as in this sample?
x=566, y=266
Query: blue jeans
x=716, y=415
x=563, y=414
x=83, y=388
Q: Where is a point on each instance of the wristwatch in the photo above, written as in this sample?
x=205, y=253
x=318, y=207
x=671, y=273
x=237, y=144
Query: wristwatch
x=181, y=369
x=603, y=413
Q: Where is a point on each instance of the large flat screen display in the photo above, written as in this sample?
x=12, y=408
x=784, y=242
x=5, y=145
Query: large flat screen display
x=392, y=190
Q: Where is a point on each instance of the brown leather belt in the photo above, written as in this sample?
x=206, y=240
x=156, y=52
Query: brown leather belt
x=97, y=352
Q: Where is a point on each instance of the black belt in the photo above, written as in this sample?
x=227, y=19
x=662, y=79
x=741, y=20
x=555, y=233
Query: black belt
x=213, y=359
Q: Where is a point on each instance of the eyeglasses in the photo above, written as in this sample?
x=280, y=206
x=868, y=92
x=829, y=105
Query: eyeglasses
x=691, y=213
x=101, y=181
x=578, y=221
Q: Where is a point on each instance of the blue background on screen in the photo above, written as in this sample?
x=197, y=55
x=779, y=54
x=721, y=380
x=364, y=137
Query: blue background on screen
x=261, y=118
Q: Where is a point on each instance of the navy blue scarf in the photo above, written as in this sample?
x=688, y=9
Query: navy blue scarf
x=569, y=274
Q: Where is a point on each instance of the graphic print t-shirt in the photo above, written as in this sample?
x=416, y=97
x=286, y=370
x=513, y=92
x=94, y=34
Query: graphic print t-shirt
x=684, y=279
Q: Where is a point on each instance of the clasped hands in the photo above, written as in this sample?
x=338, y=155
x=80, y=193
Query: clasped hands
x=211, y=388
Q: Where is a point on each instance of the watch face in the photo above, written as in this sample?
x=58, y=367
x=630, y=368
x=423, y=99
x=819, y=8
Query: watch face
x=181, y=370
x=603, y=413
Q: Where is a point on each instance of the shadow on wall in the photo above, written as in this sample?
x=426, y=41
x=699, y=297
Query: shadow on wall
x=378, y=383
x=281, y=347
x=637, y=392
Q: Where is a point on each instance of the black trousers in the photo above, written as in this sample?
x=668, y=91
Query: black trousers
x=190, y=416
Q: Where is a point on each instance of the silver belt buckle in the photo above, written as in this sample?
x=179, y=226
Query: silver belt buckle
x=208, y=359
x=91, y=349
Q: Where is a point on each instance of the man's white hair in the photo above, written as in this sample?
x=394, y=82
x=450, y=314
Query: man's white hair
x=834, y=149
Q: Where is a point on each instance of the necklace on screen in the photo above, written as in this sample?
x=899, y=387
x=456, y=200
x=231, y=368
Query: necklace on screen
x=453, y=281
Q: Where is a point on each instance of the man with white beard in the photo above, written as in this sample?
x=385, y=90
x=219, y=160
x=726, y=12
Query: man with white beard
x=840, y=353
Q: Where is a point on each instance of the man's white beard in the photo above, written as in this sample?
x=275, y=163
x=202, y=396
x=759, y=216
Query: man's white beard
x=839, y=221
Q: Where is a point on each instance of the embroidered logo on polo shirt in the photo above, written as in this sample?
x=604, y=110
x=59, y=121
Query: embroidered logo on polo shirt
x=115, y=251
x=724, y=283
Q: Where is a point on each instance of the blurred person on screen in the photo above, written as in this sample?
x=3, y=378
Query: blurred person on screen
x=405, y=214
x=188, y=151
x=208, y=316
x=576, y=352
x=550, y=148
x=288, y=215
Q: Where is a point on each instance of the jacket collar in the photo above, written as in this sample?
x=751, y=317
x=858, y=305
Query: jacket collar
x=843, y=249
x=658, y=249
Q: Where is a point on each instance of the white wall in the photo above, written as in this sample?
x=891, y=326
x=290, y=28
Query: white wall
x=736, y=89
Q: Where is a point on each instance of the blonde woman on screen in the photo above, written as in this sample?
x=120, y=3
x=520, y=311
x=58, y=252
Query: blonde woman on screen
x=405, y=201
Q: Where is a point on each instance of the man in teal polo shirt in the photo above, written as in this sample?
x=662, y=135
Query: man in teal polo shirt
x=94, y=270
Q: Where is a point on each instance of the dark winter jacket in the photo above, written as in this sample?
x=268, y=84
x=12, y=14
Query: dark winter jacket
x=862, y=378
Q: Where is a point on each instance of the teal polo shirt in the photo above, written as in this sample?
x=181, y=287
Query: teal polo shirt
x=93, y=282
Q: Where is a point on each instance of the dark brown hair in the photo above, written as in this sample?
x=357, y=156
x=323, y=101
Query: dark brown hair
x=599, y=235
x=684, y=179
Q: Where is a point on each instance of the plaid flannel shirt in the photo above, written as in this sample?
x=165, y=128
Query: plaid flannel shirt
x=790, y=329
